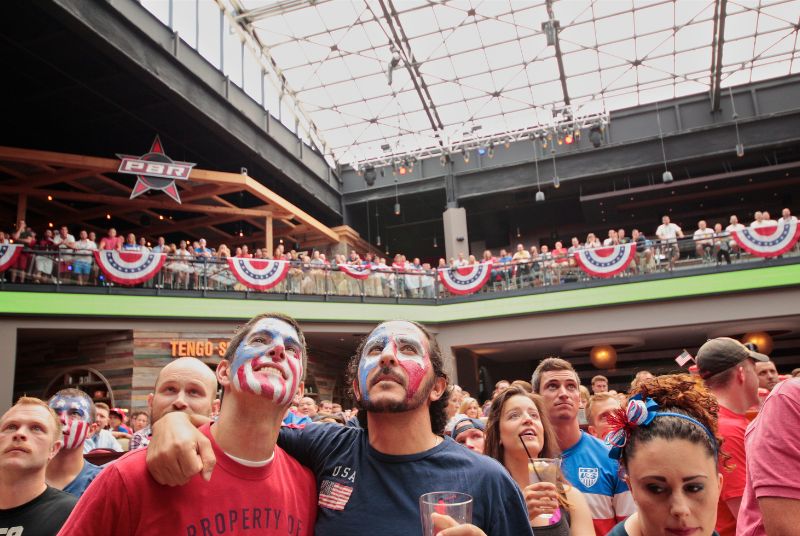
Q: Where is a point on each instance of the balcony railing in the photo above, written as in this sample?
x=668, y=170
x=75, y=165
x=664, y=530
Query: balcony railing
x=64, y=271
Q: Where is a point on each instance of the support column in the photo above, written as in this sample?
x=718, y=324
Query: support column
x=8, y=360
x=22, y=207
x=456, y=239
x=268, y=235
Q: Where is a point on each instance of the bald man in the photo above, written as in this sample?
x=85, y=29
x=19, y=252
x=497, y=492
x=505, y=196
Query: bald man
x=186, y=385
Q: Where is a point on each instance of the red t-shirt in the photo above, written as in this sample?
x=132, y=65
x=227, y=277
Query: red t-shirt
x=734, y=470
x=279, y=498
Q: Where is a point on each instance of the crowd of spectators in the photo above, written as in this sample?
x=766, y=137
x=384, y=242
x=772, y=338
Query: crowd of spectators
x=675, y=451
x=192, y=264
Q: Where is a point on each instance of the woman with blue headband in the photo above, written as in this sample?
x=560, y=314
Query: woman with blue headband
x=667, y=445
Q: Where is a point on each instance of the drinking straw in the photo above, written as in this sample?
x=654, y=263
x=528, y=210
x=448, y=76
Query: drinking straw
x=530, y=458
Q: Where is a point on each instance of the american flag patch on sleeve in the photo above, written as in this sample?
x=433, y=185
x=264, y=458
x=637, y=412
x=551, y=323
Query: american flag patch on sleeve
x=334, y=495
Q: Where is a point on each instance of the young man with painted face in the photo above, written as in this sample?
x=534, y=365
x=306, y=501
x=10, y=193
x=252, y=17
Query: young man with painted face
x=370, y=478
x=30, y=436
x=68, y=471
x=256, y=488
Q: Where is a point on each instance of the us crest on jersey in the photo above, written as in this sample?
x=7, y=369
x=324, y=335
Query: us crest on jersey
x=588, y=475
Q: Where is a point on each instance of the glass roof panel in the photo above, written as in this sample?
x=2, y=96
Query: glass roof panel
x=487, y=63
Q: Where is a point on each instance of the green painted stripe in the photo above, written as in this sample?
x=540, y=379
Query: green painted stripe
x=102, y=305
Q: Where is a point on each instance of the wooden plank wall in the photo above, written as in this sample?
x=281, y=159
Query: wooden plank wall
x=153, y=350
x=41, y=360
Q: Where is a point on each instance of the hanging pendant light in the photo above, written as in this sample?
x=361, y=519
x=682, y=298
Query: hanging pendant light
x=539, y=194
x=396, y=200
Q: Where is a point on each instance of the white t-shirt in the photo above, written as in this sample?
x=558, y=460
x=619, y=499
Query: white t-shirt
x=668, y=232
x=781, y=220
x=703, y=235
x=734, y=227
x=85, y=247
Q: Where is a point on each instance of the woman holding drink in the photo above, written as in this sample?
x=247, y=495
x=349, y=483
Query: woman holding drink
x=520, y=437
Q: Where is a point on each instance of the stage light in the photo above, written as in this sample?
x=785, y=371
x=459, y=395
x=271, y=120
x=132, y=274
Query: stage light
x=397, y=209
x=507, y=144
x=108, y=216
x=596, y=136
x=568, y=139
x=490, y=152
x=443, y=159
x=465, y=154
x=50, y=224
x=402, y=169
x=49, y=197
x=435, y=243
x=739, y=150
x=482, y=150
x=556, y=182
x=160, y=216
x=369, y=175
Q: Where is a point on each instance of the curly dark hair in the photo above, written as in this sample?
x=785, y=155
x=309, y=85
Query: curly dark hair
x=437, y=409
x=677, y=393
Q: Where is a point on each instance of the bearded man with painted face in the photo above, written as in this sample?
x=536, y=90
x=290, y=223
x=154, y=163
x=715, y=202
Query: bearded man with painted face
x=68, y=470
x=370, y=478
x=256, y=487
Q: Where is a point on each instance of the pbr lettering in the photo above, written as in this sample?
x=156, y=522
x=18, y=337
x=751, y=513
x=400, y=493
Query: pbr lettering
x=11, y=531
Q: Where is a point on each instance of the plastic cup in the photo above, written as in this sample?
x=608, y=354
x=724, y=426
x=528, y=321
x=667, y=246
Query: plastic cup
x=450, y=503
x=544, y=470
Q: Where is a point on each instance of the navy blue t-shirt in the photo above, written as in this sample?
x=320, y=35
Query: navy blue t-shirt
x=84, y=478
x=363, y=491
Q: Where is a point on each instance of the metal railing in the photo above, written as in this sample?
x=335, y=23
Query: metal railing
x=65, y=268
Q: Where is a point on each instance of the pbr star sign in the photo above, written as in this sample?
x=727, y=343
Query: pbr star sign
x=155, y=171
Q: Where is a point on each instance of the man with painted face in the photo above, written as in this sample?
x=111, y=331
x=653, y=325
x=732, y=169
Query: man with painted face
x=68, y=471
x=256, y=488
x=370, y=478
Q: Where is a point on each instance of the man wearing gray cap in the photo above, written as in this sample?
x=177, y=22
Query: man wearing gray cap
x=728, y=368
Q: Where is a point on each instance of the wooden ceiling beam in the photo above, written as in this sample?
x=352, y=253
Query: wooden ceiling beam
x=138, y=204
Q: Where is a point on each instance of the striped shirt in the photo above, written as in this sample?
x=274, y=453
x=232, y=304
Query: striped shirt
x=587, y=467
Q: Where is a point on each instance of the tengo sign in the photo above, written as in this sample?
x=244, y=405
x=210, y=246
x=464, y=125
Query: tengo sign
x=198, y=348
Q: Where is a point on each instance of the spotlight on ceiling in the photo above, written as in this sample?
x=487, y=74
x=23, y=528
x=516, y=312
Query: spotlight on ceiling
x=490, y=151
x=369, y=175
x=596, y=135
x=465, y=154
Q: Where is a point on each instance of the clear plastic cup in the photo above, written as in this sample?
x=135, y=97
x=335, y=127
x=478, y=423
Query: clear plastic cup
x=544, y=470
x=451, y=503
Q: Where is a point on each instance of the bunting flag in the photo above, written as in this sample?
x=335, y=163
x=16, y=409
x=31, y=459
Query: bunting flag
x=466, y=279
x=769, y=241
x=258, y=274
x=605, y=261
x=129, y=267
x=9, y=254
x=355, y=271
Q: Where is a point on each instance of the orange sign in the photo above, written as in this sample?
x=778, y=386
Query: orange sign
x=198, y=348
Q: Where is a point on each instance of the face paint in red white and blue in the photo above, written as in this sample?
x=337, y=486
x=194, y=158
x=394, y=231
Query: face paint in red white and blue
x=269, y=361
x=75, y=416
x=409, y=347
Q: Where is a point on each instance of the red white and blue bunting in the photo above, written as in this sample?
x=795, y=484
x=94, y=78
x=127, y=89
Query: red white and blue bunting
x=129, y=267
x=355, y=271
x=8, y=254
x=258, y=274
x=768, y=241
x=605, y=261
x=466, y=279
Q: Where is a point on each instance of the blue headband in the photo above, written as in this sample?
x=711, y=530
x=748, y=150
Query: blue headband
x=641, y=413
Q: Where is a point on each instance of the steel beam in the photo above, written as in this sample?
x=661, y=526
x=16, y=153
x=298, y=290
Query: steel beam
x=127, y=32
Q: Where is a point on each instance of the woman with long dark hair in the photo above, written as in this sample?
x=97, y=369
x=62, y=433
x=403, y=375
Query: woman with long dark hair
x=518, y=430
